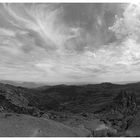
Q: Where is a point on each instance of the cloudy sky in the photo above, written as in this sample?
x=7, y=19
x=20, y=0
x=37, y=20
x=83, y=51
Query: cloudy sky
x=70, y=42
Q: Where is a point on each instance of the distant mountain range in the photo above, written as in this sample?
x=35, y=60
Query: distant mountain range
x=41, y=84
x=23, y=84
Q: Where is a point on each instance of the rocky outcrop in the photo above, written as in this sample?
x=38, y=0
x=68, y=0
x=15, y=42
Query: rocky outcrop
x=120, y=113
x=125, y=103
x=6, y=105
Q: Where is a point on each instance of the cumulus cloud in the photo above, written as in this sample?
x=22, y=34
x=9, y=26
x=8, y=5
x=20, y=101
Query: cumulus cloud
x=127, y=29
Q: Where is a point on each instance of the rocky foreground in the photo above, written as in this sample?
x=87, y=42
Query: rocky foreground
x=18, y=125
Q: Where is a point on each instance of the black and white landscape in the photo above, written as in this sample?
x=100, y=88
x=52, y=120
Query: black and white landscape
x=69, y=69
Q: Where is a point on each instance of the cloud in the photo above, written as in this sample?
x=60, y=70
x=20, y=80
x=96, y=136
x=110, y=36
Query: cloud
x=127, y=29
x=69, y=42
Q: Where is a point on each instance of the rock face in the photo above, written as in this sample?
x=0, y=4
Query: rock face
x=13, y=95
x=11, y=100
x=120, y=113
x=125, y=103
x=7, y=106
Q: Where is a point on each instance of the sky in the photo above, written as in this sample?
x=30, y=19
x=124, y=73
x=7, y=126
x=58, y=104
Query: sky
x=70, y=42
